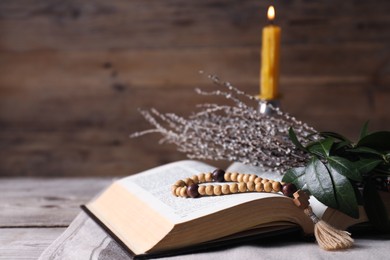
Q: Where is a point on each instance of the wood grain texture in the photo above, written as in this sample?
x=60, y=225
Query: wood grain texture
x=74, y=73
x=45, y=202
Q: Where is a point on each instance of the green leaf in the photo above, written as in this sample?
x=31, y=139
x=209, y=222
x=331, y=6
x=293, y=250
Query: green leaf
x=364, y=130
x=378, y=140
x=335, y=136
x=319, y=183
x=295, y=176
x=343, y=144
x=365, y=166
x=345, y=167
x=344, y=192
x=365, y=150
x=374, y=207
x=294, y=139
x=321, y=148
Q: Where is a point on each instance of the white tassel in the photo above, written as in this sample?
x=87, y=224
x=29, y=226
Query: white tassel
x=328, y=237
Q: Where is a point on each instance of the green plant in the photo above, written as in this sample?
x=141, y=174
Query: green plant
x=342, y=174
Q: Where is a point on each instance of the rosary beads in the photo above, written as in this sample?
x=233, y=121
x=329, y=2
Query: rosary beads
x=241, y=183
x=328, y=237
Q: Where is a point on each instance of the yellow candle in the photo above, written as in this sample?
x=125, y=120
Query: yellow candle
x=270, y=50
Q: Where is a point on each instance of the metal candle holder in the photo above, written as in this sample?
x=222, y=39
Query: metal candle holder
x=265, y=106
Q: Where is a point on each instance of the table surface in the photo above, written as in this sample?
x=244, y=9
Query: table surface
x=34, y=212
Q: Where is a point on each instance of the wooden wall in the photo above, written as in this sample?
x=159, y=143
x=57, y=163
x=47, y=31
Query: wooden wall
x=74, y=72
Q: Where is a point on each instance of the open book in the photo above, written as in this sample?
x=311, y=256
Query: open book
x=146, y=218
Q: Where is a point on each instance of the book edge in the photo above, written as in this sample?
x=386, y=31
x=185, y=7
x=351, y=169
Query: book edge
x=202, y=247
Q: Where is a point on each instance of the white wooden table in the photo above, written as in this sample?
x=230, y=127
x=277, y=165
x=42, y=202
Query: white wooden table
x=34, y=212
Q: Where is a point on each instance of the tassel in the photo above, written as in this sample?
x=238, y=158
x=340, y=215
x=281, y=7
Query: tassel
x=328, y=237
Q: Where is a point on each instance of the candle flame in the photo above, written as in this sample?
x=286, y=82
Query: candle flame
x=271, y=13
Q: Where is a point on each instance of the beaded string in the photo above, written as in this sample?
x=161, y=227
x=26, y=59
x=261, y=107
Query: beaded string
x=242, y=182
x=328, y=237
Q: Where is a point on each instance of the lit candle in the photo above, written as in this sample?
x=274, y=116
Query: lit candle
x=270, y=50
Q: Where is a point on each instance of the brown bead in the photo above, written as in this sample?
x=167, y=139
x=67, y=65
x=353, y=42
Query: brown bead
x=173, y=189
x=192, y=191
x=177, y=191
x=252, y=177
x=251, y=186
x=289, y=189
x=242, y=187
x=217, y=190
x=188, y=181
x=218, y=175
x=202, y=190
x=258, y=180
x=246, y=178
x=233, y=176
x=259, y=187
x=180, y=183
x=183, y=192
x=264, y=181
x=225, y=189
x=195, y=179
x=201, y=178
x=267, y=187
x=233, y=188
x=276, y=186
x=209, y=177
x=227, y=176
x=240, y=177
x=210, y=190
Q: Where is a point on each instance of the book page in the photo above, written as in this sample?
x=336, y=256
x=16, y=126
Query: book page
x=154, y=188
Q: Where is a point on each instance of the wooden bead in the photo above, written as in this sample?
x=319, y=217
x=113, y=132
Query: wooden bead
x=263, y=181
x=252, y=177
x=242, y=186
x=192, y=191
x=240, y=177
x=210, y=190
x=202, y=190
x=217, y=190
x=195, y=179
x=208, y=177
x=259, y=187
x=246, y=178
x=180, y=183
x=258, y=180
x=177, y=191
x=276, y=186
x=218, y=175
x=201, y=178
x=183, y=192
x=233, y=188
x=267, y=187
x=173, y=189
x=233, y=176
x=225, y=189
x=251, y=186
x=188, y=181
x=227, y=176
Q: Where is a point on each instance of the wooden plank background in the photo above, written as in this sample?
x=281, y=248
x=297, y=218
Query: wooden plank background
x=73, y=73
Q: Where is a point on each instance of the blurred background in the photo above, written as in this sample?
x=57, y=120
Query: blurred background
x=74, y=72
